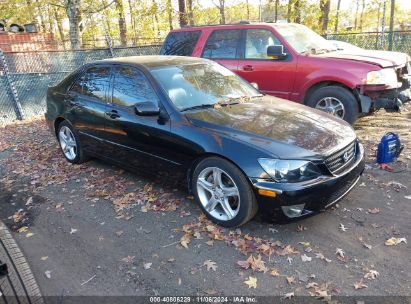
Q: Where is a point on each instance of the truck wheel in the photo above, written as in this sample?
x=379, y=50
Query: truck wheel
x=336, y=101
x=19, y=284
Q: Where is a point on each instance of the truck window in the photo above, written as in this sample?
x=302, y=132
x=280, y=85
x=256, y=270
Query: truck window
x=222, y=44
x=257, y=42
x=180, y=43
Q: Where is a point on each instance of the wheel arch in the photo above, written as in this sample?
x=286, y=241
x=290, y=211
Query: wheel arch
x=328, y=83
x=199, y=158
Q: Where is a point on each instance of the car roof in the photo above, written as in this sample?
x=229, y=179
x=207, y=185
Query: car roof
x=235, y=25
x=153, y=61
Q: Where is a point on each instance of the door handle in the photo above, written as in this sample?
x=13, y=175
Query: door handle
x=113, y=114
x=248, y=67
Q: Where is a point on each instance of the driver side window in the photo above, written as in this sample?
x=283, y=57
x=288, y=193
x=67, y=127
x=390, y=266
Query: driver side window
x=257, y=42
x=131, y=87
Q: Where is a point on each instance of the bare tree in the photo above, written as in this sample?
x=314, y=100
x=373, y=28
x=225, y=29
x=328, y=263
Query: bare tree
x=337, y=16
x=357, y=5
x=182, y=13
x=190, y=12
x=324, y=15
x=221, y=7
x=169, y=14
x=362, y=14
x=121, y=22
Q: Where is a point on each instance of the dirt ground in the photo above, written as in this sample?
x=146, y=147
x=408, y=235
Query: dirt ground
x=96, y=229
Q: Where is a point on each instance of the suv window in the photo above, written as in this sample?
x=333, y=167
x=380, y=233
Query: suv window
x=180, y=43
x=222, y=44
x=131, y=87
x=257, y=41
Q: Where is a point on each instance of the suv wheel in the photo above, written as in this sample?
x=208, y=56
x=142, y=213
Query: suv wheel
x=336, y=101
x=223, y=192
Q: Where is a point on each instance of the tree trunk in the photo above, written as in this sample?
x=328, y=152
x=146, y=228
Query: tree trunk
x=59, y=22
x=222, y=11
x=41, y=16
x=297, y=8
x=362, y=14
x=169, y=14
x=248, y=9
x=337, y=16
x=73, y=10
x=121, y=22
x=133, y=21
x=356, y=14
x=190, y=12
x=289, y=7
x=277, y=2
x=325, y=13
x=182, y=13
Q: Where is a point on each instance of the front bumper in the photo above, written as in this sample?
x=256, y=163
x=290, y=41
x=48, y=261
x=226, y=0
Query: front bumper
x=315, y=195
x=374, y=97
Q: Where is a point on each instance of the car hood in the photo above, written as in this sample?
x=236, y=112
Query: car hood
x=383, y=59
x=280, y=127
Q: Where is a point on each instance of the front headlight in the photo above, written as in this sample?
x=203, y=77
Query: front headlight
x=289, y=171
x=383, y=76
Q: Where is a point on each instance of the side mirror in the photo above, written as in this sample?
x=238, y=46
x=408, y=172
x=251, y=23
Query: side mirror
x=276, y=51
x=147, y=108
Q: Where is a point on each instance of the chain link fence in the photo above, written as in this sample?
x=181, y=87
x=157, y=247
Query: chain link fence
x=31, y=72
x=401, y=40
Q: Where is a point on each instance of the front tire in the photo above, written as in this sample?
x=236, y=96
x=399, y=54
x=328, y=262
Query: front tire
x=336, y=101
x=70, y=144
x=223, y=192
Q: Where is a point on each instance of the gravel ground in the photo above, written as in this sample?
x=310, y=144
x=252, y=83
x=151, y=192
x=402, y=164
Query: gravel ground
x=96, y=229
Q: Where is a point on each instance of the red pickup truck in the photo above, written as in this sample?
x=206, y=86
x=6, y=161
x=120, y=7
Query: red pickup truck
x=293, y=62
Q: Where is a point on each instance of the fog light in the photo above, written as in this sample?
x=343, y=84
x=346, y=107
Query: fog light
x=293, y=211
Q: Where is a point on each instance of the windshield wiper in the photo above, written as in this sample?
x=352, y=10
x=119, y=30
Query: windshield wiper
x=200, y=106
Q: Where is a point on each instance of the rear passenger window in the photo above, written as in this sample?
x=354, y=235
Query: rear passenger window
x=95, y=82
x=222, y=44
x=180, y=43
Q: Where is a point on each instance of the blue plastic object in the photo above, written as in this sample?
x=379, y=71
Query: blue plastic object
x=389, y=148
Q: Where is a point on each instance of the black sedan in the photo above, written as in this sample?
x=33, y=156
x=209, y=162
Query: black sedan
x=236, y=149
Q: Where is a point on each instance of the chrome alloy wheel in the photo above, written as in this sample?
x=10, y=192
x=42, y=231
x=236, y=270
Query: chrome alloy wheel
x=68, y=142
x=218, y=193
x=332, y=106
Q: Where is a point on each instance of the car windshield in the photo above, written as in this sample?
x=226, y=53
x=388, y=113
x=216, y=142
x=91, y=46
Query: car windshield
x=302, y=39
x=202, y=84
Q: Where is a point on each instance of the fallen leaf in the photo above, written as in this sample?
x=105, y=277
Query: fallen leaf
x=311, y=285
x=374, y=210
x=43, y=258
x=147, y=265
x=47, y=273
x=339, y=252
x=290, y=280
x=73, y=230
x=408, y=197
x=211, y=292
x=360, y=284
x=171, y=260
x=306, y=258
x=29, y=201
x=185, y=240
x=128, y=259
x=210, y=243
x=30, y=234
x=289, y=295
x=342, y=228
x=251, y=282
x=274, y=272
x=179, y=281
x=395, y=241
x=119, y=233
x=210, y=265
x=371, y=275
x=23, y=229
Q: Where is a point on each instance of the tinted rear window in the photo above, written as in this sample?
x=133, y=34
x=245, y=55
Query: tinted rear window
x=180, y=43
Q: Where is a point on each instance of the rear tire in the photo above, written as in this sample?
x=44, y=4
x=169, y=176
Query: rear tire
x=227, y=200
x=20, y=281
x=70, y=144
x=335, y=95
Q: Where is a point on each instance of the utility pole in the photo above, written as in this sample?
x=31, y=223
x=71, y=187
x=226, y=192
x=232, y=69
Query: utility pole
x=391, y=34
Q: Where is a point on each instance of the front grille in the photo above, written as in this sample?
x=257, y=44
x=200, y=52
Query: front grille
x=341, y=159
